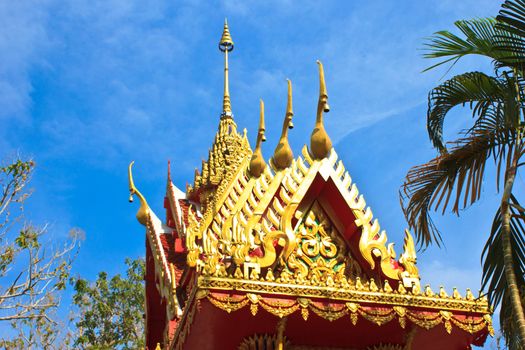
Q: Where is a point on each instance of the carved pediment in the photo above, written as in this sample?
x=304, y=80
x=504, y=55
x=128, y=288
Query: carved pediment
x=321, y=254
x=281, y=226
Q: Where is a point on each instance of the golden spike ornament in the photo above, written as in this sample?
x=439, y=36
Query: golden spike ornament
x=257, y=163
x=144, y=210
x=226, y=45
x=283, y=155
x=409, y=257
x=320, y=143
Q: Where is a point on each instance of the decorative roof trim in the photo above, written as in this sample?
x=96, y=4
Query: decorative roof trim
x=186, y=320
x=331, y=312
x=164, y=271
x=356, y=293
x=174, y=194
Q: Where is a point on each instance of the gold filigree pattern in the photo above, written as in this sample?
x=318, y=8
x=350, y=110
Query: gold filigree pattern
x=320, y=251
x=379, y=316
x=329, y=312
x=406, y=299
x=228, y=303
x=253, y=215
x=279, y=308
x=228, y=151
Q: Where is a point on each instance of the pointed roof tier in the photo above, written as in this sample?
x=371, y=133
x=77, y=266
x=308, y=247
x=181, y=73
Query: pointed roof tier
x=287, y=254
x=229, y=147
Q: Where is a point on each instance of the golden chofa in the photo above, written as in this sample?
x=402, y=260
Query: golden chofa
x=143, y=212
x=257, y=163
x=320, y=143
x=283, y=155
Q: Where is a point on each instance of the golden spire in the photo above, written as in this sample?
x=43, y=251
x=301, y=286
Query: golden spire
x=142, y=213
x=226, y=45
x=169, y=171
x=229, y=148
x=283, y=155
x=257, y=163
x=320, y=143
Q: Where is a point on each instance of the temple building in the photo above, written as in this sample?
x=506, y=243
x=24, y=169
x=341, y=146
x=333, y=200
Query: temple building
x=284, y=253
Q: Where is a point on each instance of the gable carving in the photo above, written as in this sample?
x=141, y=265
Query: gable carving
x=320, y=254
x=259, y=227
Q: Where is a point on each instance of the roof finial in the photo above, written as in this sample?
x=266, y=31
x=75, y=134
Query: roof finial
x=257, y=163
x=320, y=143
x=143, y=212
x=226, y=45
x=169, y=171
x=283, y=155
x=289, y=105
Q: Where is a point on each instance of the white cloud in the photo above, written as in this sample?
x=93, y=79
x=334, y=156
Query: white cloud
x=118, y=58
x=23, y=37
x=437, y=273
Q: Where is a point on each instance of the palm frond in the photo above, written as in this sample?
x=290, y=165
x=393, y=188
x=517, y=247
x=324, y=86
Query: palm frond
x=493, y=279
x=454, y=177
x=482, y=37
x=512, y=13
x=477, y=89
x=511, y=21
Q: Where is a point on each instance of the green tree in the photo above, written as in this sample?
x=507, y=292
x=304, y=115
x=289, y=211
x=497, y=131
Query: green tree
x=453, y=180
x=33, y=272
x=111, y=311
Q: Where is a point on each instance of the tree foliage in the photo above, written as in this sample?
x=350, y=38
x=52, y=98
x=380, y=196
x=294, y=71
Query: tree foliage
x=455, y=177
x=111, y=310
x=33, y=273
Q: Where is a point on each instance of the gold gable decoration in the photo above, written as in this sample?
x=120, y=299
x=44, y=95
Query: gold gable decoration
x=243, y=215
x=253, y=214
x=321, y=253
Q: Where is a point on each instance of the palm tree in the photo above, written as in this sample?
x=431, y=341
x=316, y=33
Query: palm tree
x=454, y=178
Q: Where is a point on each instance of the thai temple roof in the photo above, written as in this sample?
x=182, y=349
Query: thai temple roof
x=290, y=242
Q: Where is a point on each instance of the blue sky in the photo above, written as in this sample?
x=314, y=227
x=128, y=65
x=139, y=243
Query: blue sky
x=88, y=86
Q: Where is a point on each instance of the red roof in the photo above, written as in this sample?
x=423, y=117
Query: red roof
x=185, y=207
x=177, y=259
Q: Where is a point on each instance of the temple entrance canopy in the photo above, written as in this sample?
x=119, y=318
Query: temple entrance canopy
x=285, y=254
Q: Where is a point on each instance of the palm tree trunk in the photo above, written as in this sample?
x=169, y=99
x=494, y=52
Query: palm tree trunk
x=512, y=284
